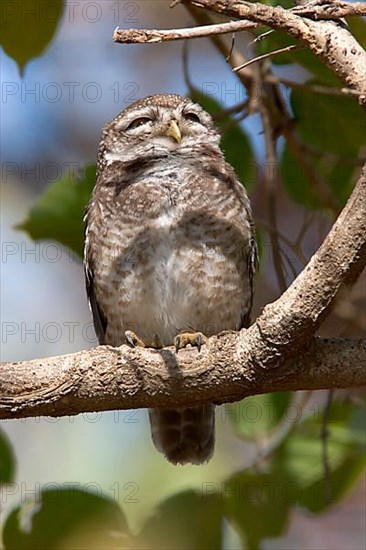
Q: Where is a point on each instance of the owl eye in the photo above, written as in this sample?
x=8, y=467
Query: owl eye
x=192, y=117
x=138, y=122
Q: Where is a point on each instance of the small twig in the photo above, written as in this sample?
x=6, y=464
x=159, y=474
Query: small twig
x=327, y=90
x=143, y=36
x=261, y=37
x=228, y=57
x=325, y=439
x=235, y=121
x=238, y=108
x=272, y=179
x=265, y=55
x=294, y=273
x=319, y=153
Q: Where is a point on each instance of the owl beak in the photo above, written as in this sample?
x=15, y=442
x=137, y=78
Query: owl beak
x=173, y=131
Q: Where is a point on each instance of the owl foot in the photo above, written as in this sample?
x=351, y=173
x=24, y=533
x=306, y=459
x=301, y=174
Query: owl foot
x=182, y=340
x=136, y=342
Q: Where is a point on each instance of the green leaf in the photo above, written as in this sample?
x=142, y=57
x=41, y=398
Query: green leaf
x=59, y=212
x=254, y=504
x=7, y=460
x=315, y=497
x=333, y=131
x=255, y=417
x=300, y=458
x=186, y=520
x=28, y=26
x=357, y=27
x=258, y=503
x=357, y=426
x=235, y=142
x=65, y=518
x=335, y=174
x=329, y=123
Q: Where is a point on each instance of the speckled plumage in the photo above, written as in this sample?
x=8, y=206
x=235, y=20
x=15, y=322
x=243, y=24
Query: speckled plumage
x=169, y=245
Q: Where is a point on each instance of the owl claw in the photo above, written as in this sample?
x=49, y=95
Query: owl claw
x=133, y=340
x=199, y=341
x=136, y=342
x=196, y=339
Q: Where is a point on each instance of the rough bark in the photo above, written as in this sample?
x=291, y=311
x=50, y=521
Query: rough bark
x=106, y=378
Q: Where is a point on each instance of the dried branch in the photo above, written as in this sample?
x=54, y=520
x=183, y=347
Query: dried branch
x=148, y=36
x=265, y=56
x=106, y=378
x=145, y=36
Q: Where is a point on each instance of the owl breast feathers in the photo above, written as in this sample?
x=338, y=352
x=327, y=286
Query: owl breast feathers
x=170, y=245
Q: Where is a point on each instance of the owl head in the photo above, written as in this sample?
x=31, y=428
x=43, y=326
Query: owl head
x=156, y=127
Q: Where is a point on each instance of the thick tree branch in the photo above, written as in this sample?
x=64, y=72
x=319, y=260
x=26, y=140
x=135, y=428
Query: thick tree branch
x=329, y=40
x=317, y=11
x=277, y=352
x=329, y=9
x=105, y=378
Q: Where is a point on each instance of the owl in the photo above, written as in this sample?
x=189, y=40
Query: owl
x=170, y=250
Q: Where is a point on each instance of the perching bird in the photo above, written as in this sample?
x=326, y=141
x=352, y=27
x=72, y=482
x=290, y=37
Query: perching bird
x=170, y=249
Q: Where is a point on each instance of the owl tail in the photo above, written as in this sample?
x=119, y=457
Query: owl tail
x=184, y=435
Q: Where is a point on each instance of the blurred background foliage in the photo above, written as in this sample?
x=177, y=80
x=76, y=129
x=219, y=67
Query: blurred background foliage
x=288, y=468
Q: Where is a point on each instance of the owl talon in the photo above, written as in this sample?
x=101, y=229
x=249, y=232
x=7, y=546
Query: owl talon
x=195, y=339
x=133, y=340
x=177, y=343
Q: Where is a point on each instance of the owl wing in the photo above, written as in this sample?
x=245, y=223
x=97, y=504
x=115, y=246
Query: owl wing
x=252, y=263
x=99, y=319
